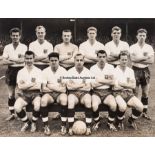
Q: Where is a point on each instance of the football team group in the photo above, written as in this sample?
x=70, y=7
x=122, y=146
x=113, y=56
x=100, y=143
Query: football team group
x=92, y=74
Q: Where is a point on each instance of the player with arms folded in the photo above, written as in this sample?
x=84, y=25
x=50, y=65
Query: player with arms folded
x=29, y=84
x=90, y=47
x=142, y=55
x=13, y=56
x=66, y=50
x=79, y=87
x=54, y=90
x=102, y=94
x=123, y=91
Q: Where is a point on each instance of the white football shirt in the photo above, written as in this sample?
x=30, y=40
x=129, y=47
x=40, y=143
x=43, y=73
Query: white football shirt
x=29, y=77
x=111, y=49
x=138, y=52
x=11, y=52
x=78, y=78
x=41, y=49
x=48, y=76
x=104, y=73
x=87, y=48
x=123, y=76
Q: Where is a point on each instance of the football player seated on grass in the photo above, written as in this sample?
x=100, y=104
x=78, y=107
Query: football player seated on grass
x=102, y=94
x=54, y=90
x=123, y=91
x=79, y=86
x=29, y=83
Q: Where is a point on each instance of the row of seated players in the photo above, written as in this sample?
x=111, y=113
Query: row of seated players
x=78, y=85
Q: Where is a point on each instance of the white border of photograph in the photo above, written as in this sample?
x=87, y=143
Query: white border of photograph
x=76, y=9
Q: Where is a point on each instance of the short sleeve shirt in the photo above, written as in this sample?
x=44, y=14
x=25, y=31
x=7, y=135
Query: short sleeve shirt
x=66, y=50
x=124, y=76
x=104, y=73
x=10, y=52
x=29, y=77
x=78, y=78
x=111, y=48
x=62, y=49
x=87, y=48
x=48, y=76
x=41, y=49
x=139, y=52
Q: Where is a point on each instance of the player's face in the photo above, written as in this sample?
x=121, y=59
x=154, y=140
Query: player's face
x=124, y=60
x=66, y=37
x=92, y=35
x=29, y=59
x=15, y=36
x=54, y=62
x=79, y=61
x=116, y=35
x=101, y=58
x=141, y=37
x=41, y=34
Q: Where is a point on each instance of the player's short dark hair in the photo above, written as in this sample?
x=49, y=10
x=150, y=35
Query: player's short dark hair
x=101, y=52
x=15, y=29
x=92, y=28
x=53, y=54
x=123, y=53
x=116, y=28
x=141, y=31
x=78, y=54
x=30, y=53
x=67, y=30
x=40, y=27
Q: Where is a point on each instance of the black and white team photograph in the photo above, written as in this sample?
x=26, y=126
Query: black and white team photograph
x=77, y=77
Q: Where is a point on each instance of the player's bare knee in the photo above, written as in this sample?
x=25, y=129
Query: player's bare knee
x=140, y=106
x=112, y=103
x=18, y=107
x=44, y=102
x=122, y=107
x=37, y=106
x=71, y=101
x=63, y=100
x=113, y=106
x=95, y=106
x=87, y=101
x=96, y=101
x=71, y=105
x=87, y=104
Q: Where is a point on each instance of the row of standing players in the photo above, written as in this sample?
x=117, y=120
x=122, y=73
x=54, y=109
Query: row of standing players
x=141, y=55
